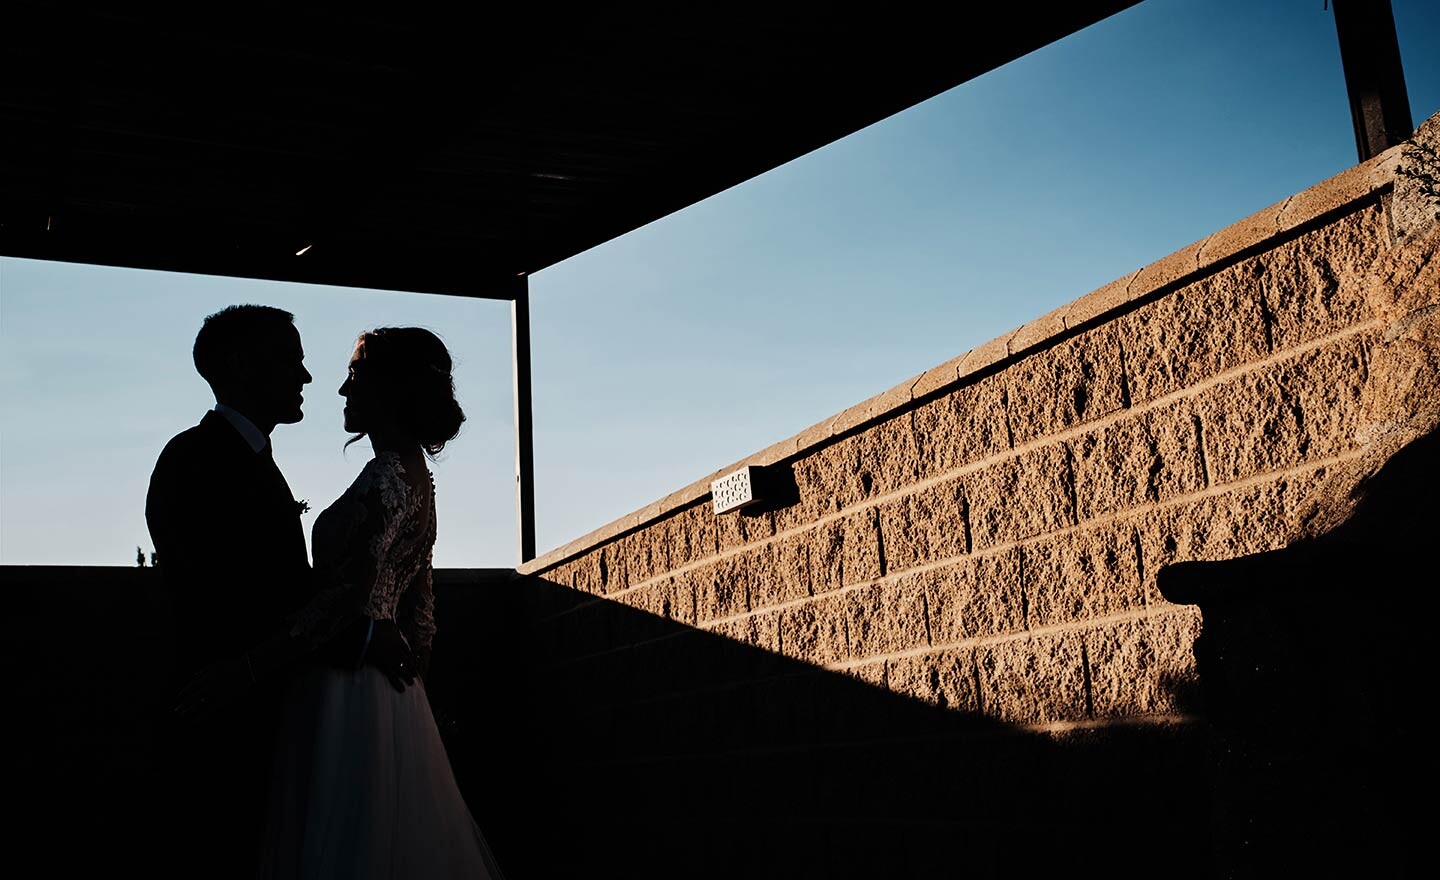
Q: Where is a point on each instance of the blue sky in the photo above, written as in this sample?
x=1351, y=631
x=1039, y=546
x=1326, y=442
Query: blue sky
x=734, y=323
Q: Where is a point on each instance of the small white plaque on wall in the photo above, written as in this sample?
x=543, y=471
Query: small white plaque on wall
x=734, y=491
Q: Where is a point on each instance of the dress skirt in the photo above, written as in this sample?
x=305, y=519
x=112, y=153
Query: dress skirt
x=362, y=787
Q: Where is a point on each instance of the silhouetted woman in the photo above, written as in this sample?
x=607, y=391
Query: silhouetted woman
x=362, y=785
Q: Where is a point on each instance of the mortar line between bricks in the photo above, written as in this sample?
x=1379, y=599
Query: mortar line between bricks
x=1145, y=613
x=1070, y=433
x=1007, y=638
x=1119, y=517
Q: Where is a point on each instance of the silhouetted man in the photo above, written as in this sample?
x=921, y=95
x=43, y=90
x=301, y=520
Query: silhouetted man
x=231, y=550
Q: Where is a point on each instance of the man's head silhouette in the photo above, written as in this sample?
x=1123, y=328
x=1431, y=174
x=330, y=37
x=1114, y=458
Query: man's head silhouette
x=252, y=358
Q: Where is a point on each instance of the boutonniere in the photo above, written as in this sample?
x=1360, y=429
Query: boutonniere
x=302, y=507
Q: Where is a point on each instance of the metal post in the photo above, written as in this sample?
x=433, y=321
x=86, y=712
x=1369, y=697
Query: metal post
x=1370, y=55
x=524, y=434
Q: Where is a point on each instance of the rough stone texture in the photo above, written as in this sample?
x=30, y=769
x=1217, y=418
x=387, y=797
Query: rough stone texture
x=1029, y=494
x=860, y=560
x=978, y=597
x=826, y=557
x=690, y=534
x=757, y=630
x=1151, y=456
x=888, y=456
x=792, y=565
x=720, y=589
x=1312, y=284
x=946, y=679
x=1034, y=679
x=965, y=426
x=1125, y=675
x=1302, y=408
x=1077, y=381
x=1198, y=331
x=828, y=480
x=886, y=618
x=740, y=527
x=924, y=526
x=816, y=631
x=1081, y=575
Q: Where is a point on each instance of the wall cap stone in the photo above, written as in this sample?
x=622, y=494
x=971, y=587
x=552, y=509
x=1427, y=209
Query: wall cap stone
x=1346, y=188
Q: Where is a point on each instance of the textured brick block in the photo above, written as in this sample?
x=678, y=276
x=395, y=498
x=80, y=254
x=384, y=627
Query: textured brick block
x=1198, y=331
x=887, y=455
x=886, y=618
x=641, y=557
x=1034, y=679
x=1030, y=494
x=1300, y=409
x=827, y=554
x=668, y=598
x=967, y=425
x=583, y=574
x=692, y=534
x=614, y=567
x=792, y=567
x=828, y=481
x=1125, y=677
x=1081, y=575
x=816, y=631
x=924, y=526
x=1313, y=284
x=1141, y=458
x=978, y=597
x=1076, y=381
x=740, y=527
x=860, y=560
x=757, y=631
x=720, y=589
x=944, y=679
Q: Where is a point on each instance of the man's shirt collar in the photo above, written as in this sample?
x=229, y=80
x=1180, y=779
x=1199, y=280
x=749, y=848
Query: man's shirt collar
x=251, y=434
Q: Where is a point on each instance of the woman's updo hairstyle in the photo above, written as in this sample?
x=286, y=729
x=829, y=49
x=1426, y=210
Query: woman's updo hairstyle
x=414, y=369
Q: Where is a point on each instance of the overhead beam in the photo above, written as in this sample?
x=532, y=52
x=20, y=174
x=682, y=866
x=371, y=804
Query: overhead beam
x=1370, y=55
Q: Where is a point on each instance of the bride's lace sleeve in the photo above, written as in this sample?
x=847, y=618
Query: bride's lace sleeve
x=368, y=524
x=416, y=614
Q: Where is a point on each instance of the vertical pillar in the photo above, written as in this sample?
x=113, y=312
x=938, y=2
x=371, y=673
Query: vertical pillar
x=1370, y=55
x=524, y=433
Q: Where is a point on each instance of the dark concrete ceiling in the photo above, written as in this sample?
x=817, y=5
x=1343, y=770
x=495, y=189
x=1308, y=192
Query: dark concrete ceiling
x=437, y=152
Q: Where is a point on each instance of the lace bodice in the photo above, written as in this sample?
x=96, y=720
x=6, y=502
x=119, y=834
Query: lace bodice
x=372, y=550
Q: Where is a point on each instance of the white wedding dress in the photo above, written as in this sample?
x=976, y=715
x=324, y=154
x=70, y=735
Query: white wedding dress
x=362, y=786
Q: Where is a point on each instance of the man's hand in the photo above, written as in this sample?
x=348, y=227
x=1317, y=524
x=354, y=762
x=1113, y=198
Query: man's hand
x=389, y=654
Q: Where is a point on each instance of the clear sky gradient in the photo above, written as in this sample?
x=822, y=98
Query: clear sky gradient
x=734, y=323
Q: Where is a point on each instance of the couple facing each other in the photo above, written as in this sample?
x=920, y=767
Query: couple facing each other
x=302, y=742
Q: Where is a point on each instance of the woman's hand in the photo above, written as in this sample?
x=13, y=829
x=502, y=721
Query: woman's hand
x=213, y=688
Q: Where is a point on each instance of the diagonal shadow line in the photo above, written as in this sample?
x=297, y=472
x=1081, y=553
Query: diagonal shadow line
x=698, y=755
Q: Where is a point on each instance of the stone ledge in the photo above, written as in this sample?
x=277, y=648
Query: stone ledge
x=1350, y=186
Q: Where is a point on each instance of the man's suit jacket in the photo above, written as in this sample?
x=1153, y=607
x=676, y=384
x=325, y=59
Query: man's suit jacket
x=228, y=538
x=231, y=552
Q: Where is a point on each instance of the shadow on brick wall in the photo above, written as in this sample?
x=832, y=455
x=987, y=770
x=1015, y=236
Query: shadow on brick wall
x=685, y=754
x=1317, y=668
